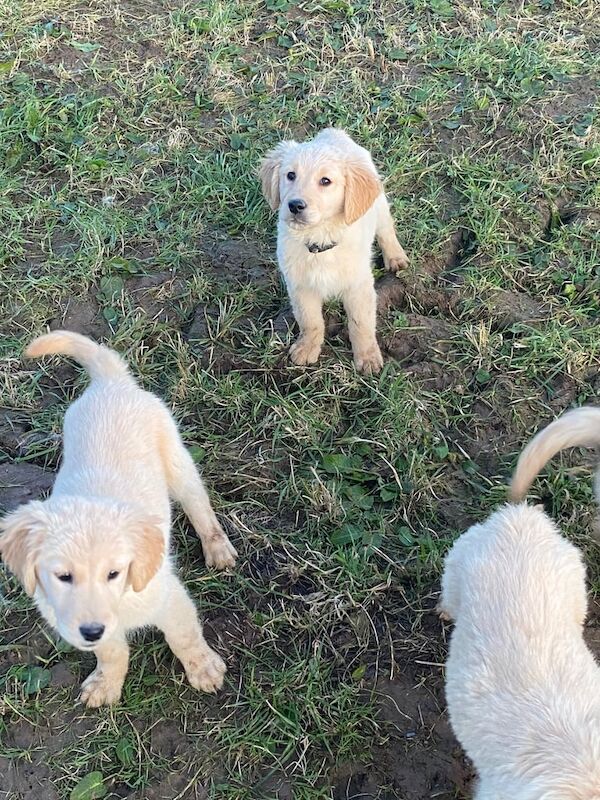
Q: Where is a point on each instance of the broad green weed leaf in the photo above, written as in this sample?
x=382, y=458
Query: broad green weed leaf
x=89, y=788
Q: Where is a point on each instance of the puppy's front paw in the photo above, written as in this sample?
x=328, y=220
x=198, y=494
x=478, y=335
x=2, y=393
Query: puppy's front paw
x=218, y=550
x=397, y=262
x=442, y=613
x=369, y=361
x=305, y=351
x=205, y=669
x=100, y=690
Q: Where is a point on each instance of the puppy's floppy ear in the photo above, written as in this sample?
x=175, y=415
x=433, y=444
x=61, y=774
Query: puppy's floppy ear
x=362, y=189
x=21, y=535
x=148, y=551
x=269, y=172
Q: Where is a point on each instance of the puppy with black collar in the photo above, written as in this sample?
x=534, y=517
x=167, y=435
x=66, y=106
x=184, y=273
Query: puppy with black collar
x=331, y=206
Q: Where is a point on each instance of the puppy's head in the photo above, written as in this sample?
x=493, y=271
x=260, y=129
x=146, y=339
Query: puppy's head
x=79, y=557
x=326, y=179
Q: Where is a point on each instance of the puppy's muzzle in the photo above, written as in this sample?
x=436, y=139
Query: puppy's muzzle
x=91, y=632
x=296, y=206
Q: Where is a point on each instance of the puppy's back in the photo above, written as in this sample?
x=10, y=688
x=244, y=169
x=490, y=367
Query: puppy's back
x=518, y=673
x=112, y=432
x=515, y=562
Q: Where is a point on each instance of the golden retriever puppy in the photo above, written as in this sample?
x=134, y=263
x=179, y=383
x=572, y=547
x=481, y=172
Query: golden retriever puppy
x=577, y=428
x=331, y=206
x=523, y=690
x=95, y=554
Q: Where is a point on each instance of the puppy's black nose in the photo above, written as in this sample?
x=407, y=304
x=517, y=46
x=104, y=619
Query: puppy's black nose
x=296, y=206
x=92, y=631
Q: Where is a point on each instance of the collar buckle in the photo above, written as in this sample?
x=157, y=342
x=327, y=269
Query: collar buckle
x=313, y=247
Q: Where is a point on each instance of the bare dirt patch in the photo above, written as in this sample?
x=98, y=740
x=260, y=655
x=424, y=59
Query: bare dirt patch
x=421, y=758
x=237, y=260
x=82, y=315
x=182, y=785
x=21, y=482
x=157, y=295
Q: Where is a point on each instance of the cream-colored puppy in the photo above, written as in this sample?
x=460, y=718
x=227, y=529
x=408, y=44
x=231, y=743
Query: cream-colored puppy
x=95, y=554
x=331, y=206
x=523, y=690
x=577, y=428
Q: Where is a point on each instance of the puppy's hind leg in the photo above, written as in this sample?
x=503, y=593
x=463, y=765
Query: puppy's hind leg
x=186, y=486
x=179, y=622
x=394, y=256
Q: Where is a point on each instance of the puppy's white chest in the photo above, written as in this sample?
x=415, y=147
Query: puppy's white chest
x=321, y=272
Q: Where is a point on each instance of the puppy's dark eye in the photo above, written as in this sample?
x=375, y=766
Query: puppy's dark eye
x=113, y=574
x=291, y=176
x=66, y=577
x=324, y=181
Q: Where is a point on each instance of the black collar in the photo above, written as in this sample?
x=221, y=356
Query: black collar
x=313, y=247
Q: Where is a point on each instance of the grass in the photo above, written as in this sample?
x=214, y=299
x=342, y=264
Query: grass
x=130, y=135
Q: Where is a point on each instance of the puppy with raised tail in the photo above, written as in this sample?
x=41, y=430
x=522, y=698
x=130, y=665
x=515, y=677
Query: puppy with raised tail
x=95, y=554
x=331, y=206
x=522, y=688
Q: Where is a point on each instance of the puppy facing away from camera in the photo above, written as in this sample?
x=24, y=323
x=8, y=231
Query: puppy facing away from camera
x=95, y=554
x=577, y=428
x=331, y=206
x=522, y=688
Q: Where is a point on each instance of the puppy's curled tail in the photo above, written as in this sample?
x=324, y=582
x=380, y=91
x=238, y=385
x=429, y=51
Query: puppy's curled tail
x=577, y=428
x=101, y=362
